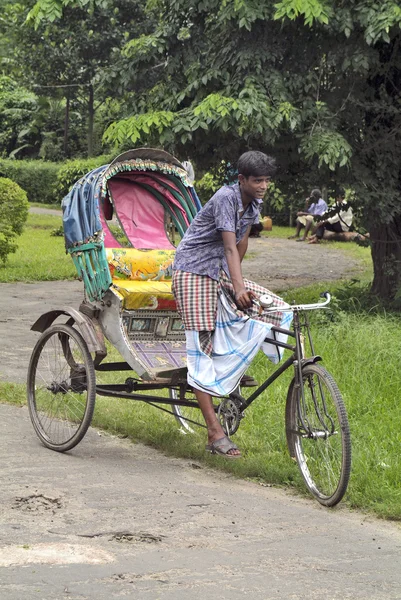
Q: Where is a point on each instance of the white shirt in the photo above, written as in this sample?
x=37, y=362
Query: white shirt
x=344, y=217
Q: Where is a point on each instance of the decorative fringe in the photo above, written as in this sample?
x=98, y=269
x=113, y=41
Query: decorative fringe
x=139, y=164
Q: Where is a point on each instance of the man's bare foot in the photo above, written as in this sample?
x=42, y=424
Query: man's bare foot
x=314, y=241
x=302, y=239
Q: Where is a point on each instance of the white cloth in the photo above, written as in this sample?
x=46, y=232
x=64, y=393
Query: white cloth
x=190, y=171
x=344, y=217
x=236, y=341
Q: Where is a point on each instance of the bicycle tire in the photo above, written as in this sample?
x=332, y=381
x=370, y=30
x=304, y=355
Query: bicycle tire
x=181, y=412
x=322, y=448
x=61, y=388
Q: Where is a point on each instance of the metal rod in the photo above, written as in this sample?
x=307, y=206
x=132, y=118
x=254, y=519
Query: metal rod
x=103, y=391
x=114, y=366
x=285, y=331
x=280, y=344
x=269, y=381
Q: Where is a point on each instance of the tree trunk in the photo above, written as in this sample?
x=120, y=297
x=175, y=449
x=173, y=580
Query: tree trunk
x=91, y=114
x=386, y=256
x=66, y=126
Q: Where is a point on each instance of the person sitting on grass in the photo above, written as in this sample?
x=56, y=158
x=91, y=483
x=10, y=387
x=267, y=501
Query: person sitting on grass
x=340, y=221
x=315, y=206
x=208, y=283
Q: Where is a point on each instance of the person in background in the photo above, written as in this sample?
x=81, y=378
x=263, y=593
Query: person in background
x=256, y=229
x=315, y=206
x=339, y=222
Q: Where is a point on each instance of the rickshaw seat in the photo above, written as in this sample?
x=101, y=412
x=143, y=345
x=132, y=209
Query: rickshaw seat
x=149, y=295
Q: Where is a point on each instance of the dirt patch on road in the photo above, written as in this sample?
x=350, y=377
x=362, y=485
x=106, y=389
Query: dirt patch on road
x=277, y=264
x=281, y=264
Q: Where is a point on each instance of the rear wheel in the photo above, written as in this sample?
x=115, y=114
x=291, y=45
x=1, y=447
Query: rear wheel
x=318, y=434
x=61, y=388
x=187, y=418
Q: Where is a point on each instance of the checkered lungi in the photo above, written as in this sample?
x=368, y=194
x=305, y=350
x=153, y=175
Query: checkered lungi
x=196, y=297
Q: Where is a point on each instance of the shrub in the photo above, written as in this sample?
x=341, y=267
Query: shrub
x=48, y=182
x=13, y=214
x=72, y=170
x=36, y=177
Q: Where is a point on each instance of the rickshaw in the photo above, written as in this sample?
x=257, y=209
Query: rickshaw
x=121, y=223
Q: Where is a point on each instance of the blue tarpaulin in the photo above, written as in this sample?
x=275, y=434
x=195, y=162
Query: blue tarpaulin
x=81, y=218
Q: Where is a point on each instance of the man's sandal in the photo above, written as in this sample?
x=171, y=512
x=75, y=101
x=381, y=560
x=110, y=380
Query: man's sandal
x=222, y=447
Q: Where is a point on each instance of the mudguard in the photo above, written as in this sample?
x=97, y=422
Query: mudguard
x=88, y=327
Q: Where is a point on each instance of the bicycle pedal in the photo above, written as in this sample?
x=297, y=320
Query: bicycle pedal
x=248, y=381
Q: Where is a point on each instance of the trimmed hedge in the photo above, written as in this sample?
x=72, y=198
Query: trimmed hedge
x=36, y=177
x=70, y=171
x=48, y=182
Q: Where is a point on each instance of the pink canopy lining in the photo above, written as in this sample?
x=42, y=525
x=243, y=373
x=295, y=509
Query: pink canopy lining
x=150, y=181
x=140, y=213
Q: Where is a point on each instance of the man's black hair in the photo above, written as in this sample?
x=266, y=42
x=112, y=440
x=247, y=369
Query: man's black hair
x=316, y=194
x=257, y=164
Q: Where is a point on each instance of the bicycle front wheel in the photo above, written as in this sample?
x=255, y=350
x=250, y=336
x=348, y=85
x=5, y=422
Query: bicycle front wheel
x=61, y=388
x=318, y=434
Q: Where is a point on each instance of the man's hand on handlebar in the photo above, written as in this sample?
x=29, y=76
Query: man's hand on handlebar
x=244, y=298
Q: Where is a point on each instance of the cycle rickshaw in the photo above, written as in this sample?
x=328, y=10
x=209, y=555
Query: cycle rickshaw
x=119, y=224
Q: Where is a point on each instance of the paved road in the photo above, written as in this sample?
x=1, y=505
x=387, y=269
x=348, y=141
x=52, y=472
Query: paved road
x=113, y=520
x=20, y=305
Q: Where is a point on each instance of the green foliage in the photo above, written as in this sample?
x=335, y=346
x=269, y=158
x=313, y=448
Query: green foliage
x=13, y=214
x=37, y=178
x=330, y=147
x=48, y=182
x=136, y=127
x=69, y=172
x=17, y=114
x=274, y=199
x=311, y=10
x=206, y=186
x=51, y=10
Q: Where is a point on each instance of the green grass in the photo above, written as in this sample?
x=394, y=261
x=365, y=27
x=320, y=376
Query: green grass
x=51, y=206
x=40, y=256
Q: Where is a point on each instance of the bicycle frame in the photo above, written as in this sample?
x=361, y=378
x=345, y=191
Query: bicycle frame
x=297, y=359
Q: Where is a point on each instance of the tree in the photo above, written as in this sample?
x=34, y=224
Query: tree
x=316, y=82
x=75, y=56
x=18, y=108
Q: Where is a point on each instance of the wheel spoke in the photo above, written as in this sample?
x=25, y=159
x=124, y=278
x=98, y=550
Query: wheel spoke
x=61, y=387
x=318, y=435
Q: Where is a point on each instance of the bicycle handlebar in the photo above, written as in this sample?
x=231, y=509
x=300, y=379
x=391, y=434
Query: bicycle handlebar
x=266, y=300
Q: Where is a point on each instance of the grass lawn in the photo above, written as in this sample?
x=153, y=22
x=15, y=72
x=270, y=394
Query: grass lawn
x=361, y=349
x=42, y=205
x=40, y=256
